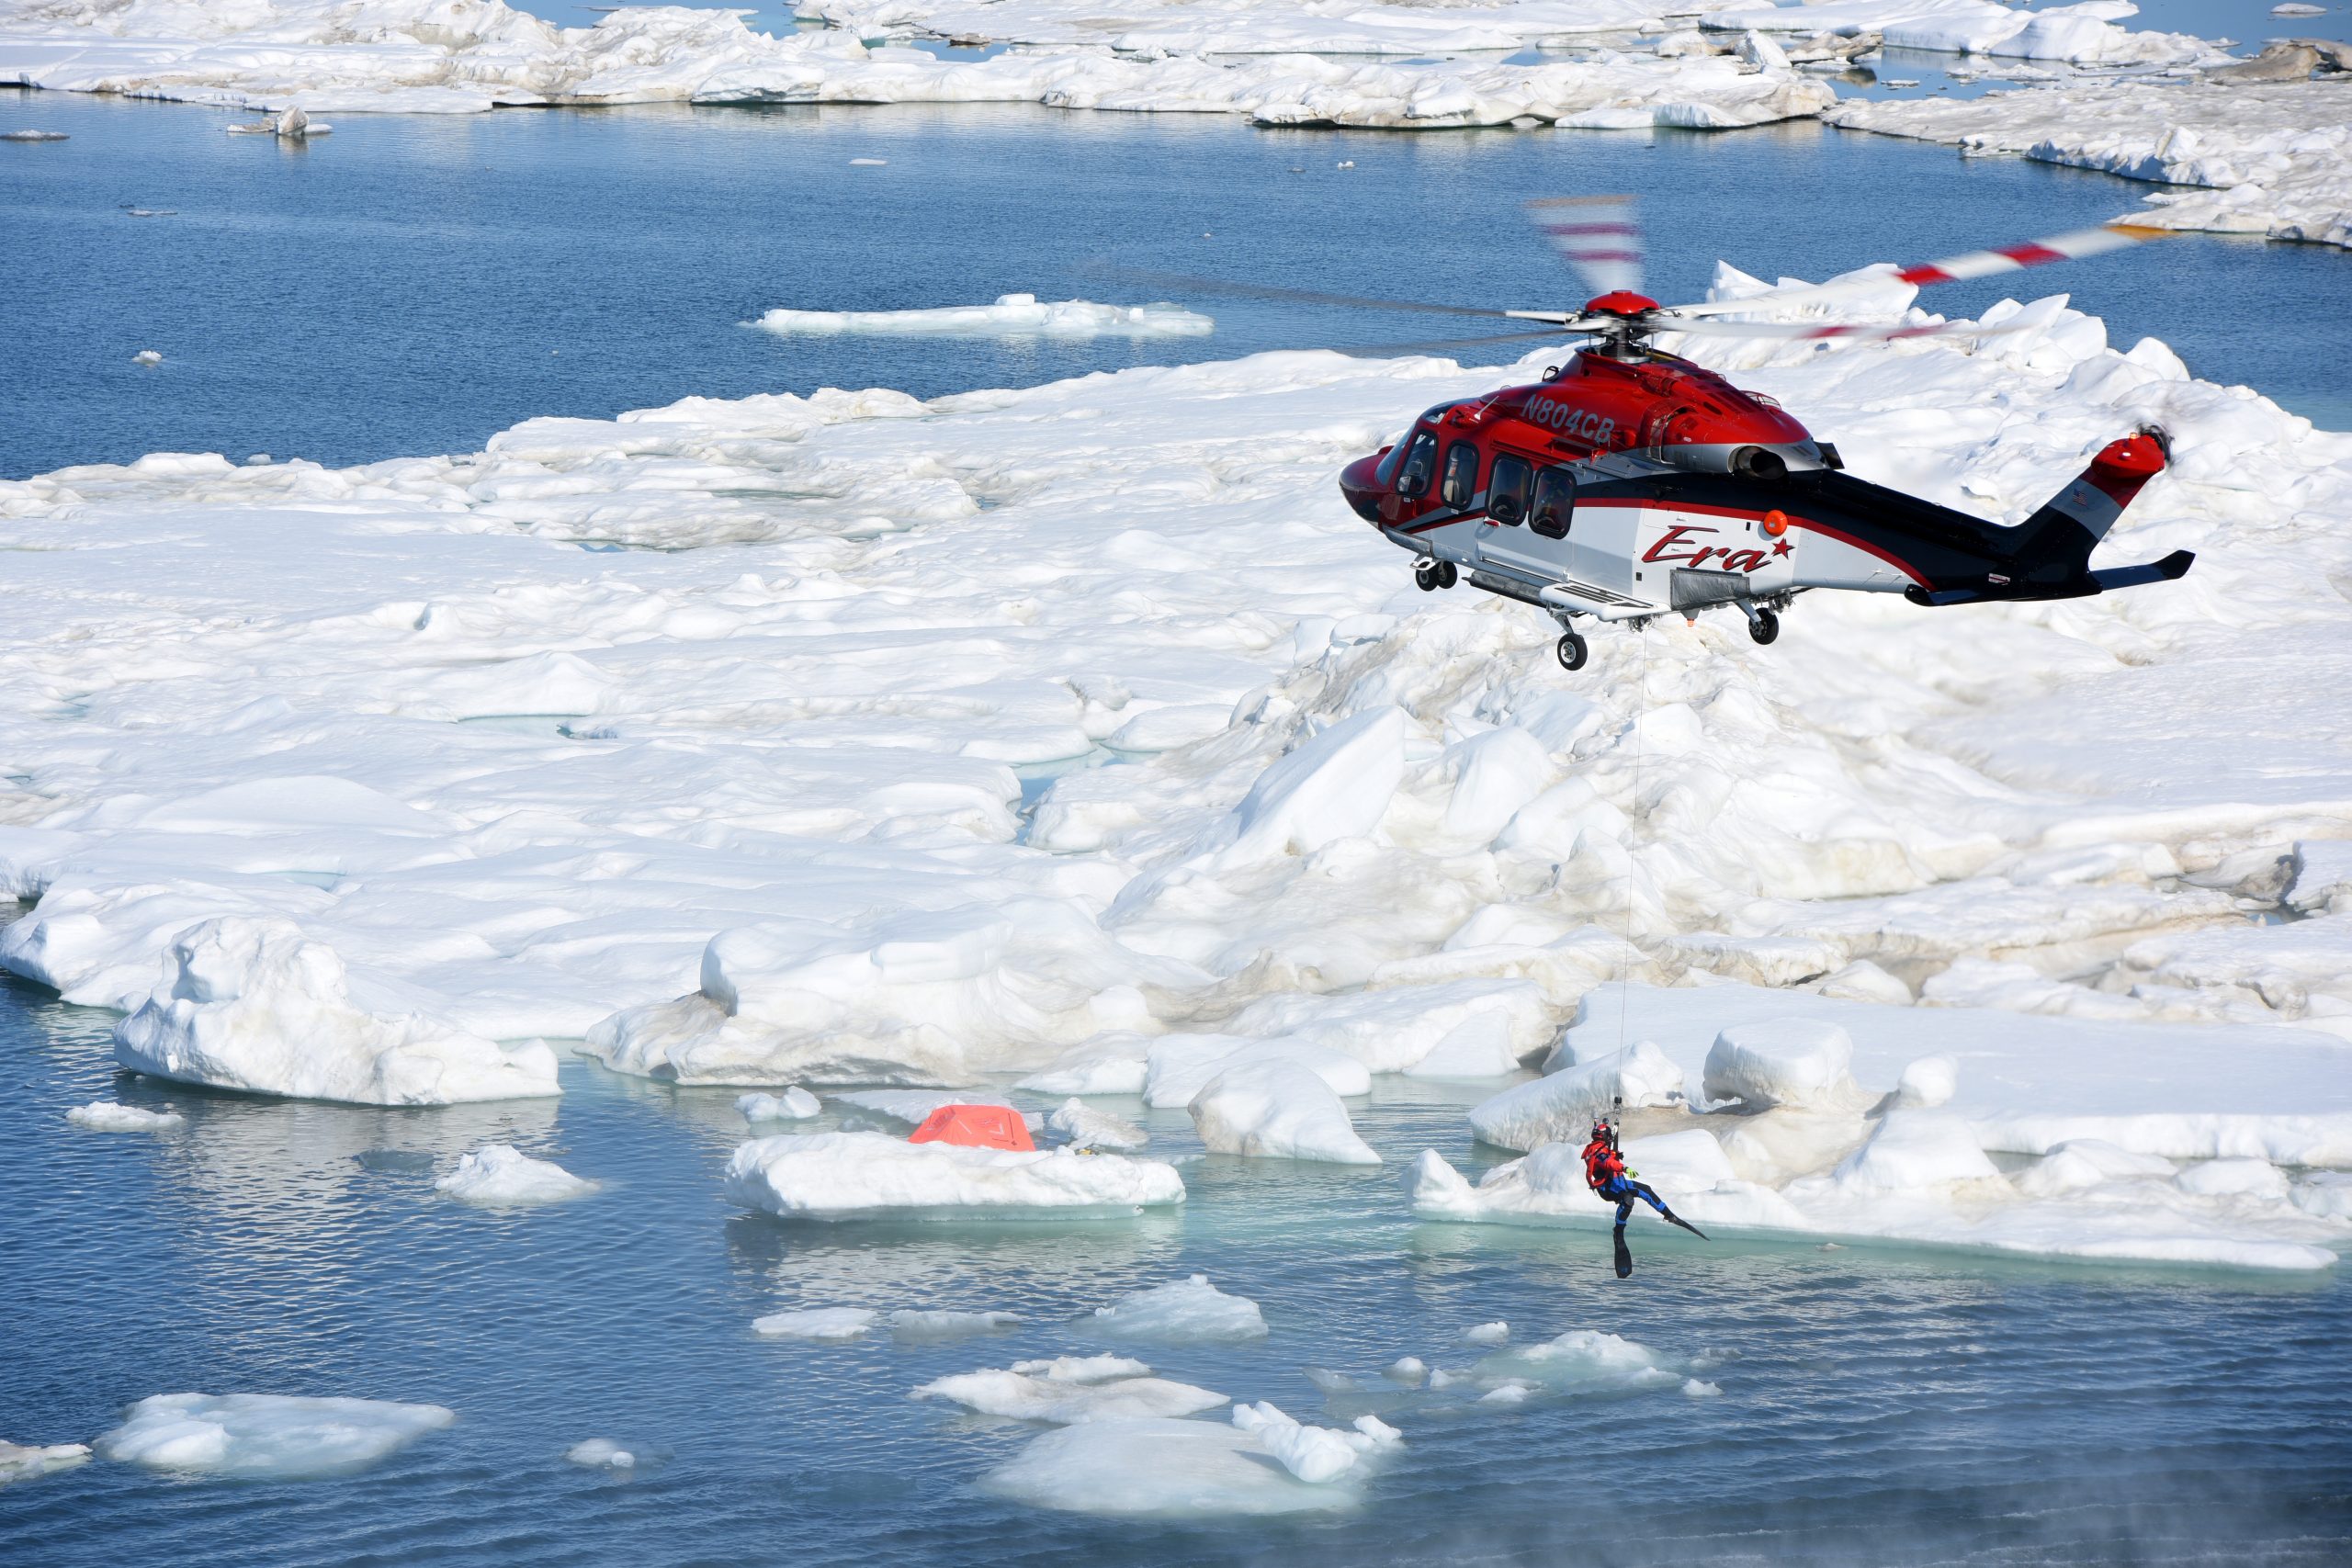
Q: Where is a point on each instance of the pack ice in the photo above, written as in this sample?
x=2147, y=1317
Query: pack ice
x=1070, y=1388
x=1263, y=1463
x=1013, y=315
x=425, y=56
x=272, y=1436
x=751, y=816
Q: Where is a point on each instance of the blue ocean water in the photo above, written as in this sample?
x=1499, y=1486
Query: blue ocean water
x=412, y=284
x=1878, y=1408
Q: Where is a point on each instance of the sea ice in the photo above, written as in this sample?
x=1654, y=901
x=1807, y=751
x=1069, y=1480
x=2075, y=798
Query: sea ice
x=256, y=1005
x=106, y=1116
x=1495, y=1332
x=2082, y=34
x=1013, y=315
x=1790, y=1060
x=265, y=1436
x=1276, y=1110
x=795, y=1104
x=1316, y=1455
x=829, y=1176
x=1179, y=1066
x=600, y=1453
x=947, y=1322
x=1160, y=1468
x=24, y=1462
x=1188, y=1312
x=824, y=1323
x=502, y=1176
x=1082, y=1127
x=1562, y=1105
x=1072, y=1389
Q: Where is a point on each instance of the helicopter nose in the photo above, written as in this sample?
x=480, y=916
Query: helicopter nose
x=1358, y=483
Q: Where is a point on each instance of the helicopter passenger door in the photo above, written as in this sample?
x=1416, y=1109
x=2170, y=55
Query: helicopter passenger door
x=1529, y=512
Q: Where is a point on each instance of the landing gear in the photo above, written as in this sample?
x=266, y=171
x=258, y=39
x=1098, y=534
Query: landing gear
x=1446, y=575
x=1431, y=575
x=1572, y=651
x=1763, y=626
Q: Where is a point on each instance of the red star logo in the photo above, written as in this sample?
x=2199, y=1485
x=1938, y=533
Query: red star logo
x=1782, y=547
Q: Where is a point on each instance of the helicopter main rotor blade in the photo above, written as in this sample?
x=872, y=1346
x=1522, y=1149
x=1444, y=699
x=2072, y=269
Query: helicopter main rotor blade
x=1848, y=332
x=1597, y=235
x=1443, y=345
x=1186, y=283
x=2071, y=246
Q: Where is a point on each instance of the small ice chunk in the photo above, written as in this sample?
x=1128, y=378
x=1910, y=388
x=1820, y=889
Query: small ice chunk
x=279, y=1436
x=1512, y=1392
x=1157, y=1467
x=1408, y=1370
x=1072, y=1389
x=1330, y=1381
x=830, y=1176
x=1316, y=1455
x=1275, y=1110
x=1798, y=1062
x=1577, y=1359
x=795, y=1104
x=869, y=162
x=910, y=1323
x=33, y=136
x=829, y=1324
x=1083, y=1127
x=600, y=1453
x=106, y=1116
x=1926, y=1083
x=22, y=1462
x=502, y=1176
x=1697, y=1389
x=2233, y=1179
x=1495, y=1332
x=148, y=358
x=1191, y=1311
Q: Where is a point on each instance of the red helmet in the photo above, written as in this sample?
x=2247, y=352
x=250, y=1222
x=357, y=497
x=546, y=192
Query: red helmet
x=1601, y=1128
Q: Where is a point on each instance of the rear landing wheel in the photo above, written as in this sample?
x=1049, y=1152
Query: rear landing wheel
x=1446, y=575
x=1765, y=626
x=1425, y=576
x=1572, y=651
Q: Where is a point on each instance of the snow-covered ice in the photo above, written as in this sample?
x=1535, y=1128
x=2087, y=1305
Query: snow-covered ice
x=2274, y=158
x=1316, y=1455
x=1276, y=1110
x=1189, y=1311
x=1082, y=1127
x=829, y=1176
x=827, y=1324
x=502, y=1176
x=1159, y=1467
x=27, y=1461
x=1254, y=27
x=1561, y=1106
x=2082, y=34
x=1013, y=315
x=107, y=1116
x=423, y=56
x=1072, y=1389
x=265, y=1436
x=1783, y=1061
x=795, y=1104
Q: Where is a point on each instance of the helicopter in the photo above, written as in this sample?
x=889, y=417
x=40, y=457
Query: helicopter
x=1630, y=483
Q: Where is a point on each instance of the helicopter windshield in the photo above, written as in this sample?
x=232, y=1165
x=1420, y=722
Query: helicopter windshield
x=1386, y=474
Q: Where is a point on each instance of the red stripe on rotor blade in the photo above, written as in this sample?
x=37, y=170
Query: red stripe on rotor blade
x=1588, y=228
x=2032, y=255
x=1600, y=255
x=1923, y=274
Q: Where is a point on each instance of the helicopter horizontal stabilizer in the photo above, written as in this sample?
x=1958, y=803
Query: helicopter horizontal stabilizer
x=2173, y=566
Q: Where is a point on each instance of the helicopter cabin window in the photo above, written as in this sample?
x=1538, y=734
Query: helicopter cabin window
x=1420, y=459
x=1555, y=504
x=1461, y=481
x=1507, y=489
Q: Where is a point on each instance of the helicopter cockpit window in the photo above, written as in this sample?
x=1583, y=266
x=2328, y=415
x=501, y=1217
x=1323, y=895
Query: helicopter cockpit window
x=1507, y=489
x=1420, y=459
x=1461, y=481
x=1555, y=504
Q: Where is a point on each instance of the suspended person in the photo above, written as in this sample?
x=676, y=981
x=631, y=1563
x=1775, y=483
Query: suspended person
x=1606, y=1174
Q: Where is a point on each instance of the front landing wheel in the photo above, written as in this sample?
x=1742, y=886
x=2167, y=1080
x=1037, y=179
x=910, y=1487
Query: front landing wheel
x=1446, y=574
x=1425, y=576
x=1572, y=651
x=1764, y=626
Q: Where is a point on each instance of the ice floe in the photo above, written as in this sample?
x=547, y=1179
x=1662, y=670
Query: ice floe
x=2275, y=159
x=1013, y=315
x=1258, y=27
x=829, y=1324
x=600, y=1453
x=1082, y=1127
x=265, y=1436
x=1276, y=1109
x=829, y=1176
x=795, y=1104
x=1189, y=1311
x=502, y=1176
x=1070, y=1388
x=2082, y=34
x=107, y=1116
x=27, y=1461
x=419, y=57
x=1161, y=1467
x=948, y=1323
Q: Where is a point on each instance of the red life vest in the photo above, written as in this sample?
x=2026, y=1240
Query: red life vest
x=1602, y=1164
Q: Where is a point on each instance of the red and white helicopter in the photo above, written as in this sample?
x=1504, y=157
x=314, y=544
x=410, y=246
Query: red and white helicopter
x=1630, y=483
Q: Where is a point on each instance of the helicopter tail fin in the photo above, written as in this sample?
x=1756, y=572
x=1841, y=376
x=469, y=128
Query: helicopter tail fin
x=2070, y=525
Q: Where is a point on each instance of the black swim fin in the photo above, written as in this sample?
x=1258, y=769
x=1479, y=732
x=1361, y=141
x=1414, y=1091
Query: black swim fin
x=1674, y=1219
x=1624, y=1256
